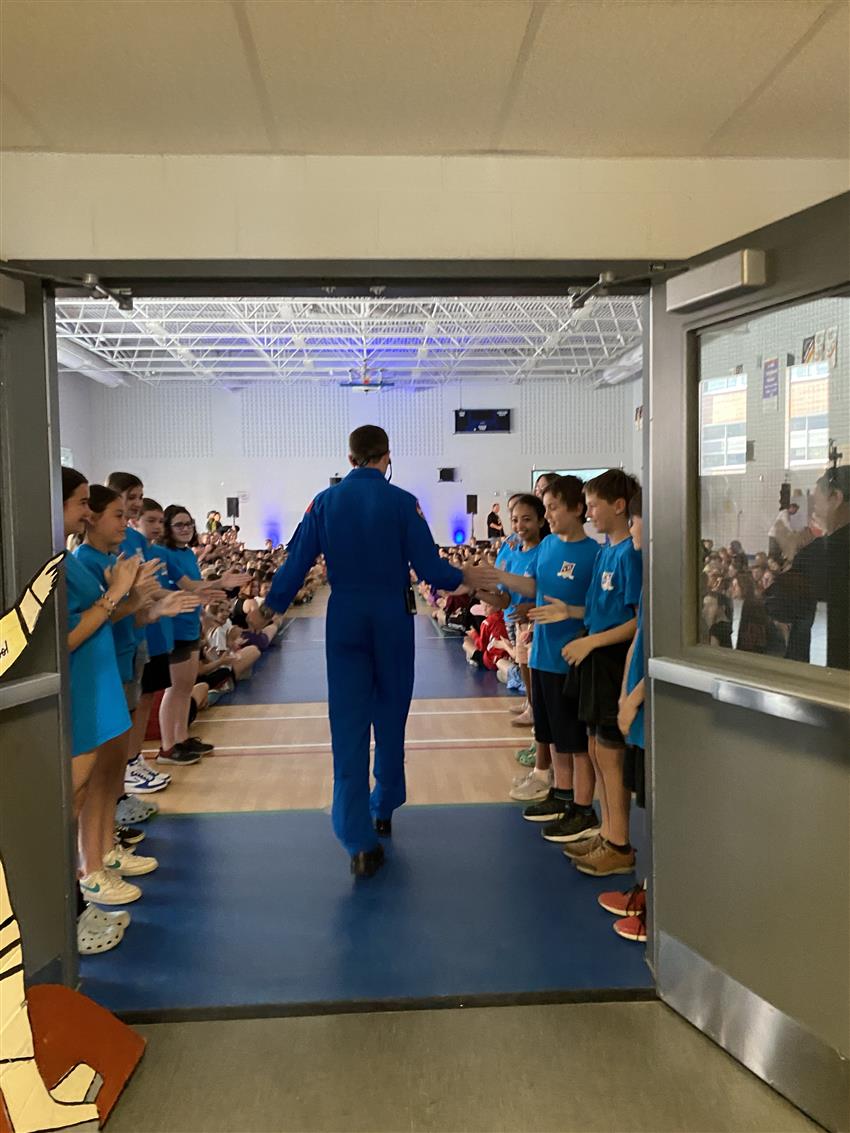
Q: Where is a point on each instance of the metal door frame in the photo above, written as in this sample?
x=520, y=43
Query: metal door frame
x=34, y=719
x=808, y=255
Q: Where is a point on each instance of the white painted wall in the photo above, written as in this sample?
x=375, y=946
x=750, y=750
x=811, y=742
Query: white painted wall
x=196, y=446
x=97, y=206
x=75, y=417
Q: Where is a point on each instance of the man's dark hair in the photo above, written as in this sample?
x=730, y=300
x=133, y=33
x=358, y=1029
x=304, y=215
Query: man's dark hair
x=150, y=505
x=569, y=490
x=614, y=484
x=636, y=505
x=368, y=444
x=837, y=479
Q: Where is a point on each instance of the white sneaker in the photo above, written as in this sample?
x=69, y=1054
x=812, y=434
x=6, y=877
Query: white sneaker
x=121, y=918
x=141, y=765
x=105, y=887
x=94, y=937
x=531, y=787
x=143, y=781
x=123, y=861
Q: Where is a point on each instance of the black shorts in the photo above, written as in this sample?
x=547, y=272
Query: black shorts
x=556, y=720
x=156, y=674
x=600, y=684
x=634, y=773
x=183, y=650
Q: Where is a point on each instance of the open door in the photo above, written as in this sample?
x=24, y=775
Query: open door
x=750, y=688
x=35, y=811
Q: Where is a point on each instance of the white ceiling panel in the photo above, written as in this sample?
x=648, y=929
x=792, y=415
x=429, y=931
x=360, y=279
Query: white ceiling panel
x=18, y=129
x=578, y=78
x=807, y=104
x=379, y=76
x=115, y=77
x=648, y=77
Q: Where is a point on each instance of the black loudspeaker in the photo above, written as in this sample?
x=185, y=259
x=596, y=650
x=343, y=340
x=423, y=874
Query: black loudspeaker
x=233, y=506
x=472, y=505
x=447, y=474
x=784, y=495
x=335, y=480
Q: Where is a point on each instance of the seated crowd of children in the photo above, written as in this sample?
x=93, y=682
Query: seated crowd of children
x=162, y=621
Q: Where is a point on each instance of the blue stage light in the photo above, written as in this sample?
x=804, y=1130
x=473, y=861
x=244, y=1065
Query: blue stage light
x=459, y=535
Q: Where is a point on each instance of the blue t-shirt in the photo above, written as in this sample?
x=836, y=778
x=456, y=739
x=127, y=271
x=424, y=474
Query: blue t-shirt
x=508, y=546
x=563, y=570
x=182, y=563
x=98, y=707
x=633, y=678
x=123, y=631
x=160, y=633
x=517, y=561
x=615, y=591
x=135, y=544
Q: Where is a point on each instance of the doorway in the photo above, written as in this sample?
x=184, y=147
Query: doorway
x=264, y=389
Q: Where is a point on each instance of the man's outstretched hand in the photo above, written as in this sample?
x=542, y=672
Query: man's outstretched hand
x=481, y=577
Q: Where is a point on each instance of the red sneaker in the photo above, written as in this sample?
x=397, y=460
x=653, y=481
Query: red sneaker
x=631, y=928
x=629, y=904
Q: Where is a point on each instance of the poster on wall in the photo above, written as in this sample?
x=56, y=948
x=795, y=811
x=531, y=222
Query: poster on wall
x=819, y=345
x=831, y=346
x=770, y=385
x=808, y=349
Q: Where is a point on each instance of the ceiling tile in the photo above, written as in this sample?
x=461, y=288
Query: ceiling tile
x=381, y=77
x=807, y=106
x=118, y=77
x=648, y=77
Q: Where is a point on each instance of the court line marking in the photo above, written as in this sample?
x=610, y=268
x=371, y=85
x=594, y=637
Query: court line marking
x=465, y=741
x=319, y=716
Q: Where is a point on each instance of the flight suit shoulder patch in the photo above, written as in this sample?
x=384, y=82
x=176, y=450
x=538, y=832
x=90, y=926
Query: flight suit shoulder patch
x=309, y=507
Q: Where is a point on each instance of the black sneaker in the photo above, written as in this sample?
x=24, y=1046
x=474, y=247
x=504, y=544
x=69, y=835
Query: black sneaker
x=547, y=810
x=129, y=835
x=179, y=756
x=194, y=744
x=574, y=826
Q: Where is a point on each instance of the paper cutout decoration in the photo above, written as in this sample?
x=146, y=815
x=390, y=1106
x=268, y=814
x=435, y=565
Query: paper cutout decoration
x=17, y=625
x=63, y=1059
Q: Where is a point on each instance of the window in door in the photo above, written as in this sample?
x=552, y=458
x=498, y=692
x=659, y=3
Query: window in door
x=774, y=491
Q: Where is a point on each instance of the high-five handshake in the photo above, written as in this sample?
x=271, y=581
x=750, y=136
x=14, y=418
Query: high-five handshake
x=486, y=580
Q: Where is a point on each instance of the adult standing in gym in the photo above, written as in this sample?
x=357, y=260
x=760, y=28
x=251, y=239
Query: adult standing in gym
x=369, y=635
x=495, y=530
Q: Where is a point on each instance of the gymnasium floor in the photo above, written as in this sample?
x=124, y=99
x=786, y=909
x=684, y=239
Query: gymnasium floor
x=253, y=911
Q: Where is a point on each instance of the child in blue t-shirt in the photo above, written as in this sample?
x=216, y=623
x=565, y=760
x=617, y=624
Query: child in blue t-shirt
x=600, y=656
x=563, y=575
x=630, y=716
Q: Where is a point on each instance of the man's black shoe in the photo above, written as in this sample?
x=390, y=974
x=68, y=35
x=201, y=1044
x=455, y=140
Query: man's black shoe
x=384, y=827
x=367, y=862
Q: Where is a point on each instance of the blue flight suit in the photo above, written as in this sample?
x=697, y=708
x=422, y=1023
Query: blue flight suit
x=370, y=533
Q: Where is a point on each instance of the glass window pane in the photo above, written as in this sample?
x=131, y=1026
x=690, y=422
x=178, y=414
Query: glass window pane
x=775, y=556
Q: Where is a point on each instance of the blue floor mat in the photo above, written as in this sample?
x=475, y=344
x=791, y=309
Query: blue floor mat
x=259, y=909
x=294, y=671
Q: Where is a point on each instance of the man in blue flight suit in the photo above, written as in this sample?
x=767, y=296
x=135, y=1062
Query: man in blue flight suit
x=370, y=533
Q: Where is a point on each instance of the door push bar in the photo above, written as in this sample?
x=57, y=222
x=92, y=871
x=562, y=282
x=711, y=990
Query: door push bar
x=787, y=706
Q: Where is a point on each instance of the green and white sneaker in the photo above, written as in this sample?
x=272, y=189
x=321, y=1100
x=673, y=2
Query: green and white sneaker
x=126, y=863
x=105, y=887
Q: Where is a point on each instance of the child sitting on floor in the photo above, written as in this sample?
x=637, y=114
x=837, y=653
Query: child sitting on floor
x=484, y=645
